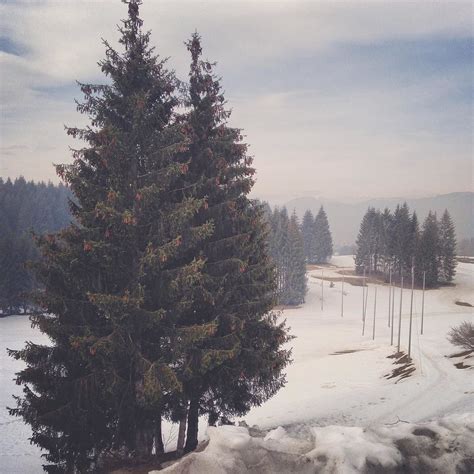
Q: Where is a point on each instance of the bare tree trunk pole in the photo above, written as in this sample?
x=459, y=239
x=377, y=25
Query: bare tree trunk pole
x=363, y=295
x=393, y=315
x=342, y=297
x=322, y=289
x=389, y=295
x=400, y=315
x=366, y=301
x=411, y=310
x=365, y=310
x=375, y=309
x=423, y=303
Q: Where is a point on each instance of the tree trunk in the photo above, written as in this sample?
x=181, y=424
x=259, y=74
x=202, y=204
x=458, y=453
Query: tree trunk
x=159, y=448
x=181, y=434
x=193, y=420
x=143, y=443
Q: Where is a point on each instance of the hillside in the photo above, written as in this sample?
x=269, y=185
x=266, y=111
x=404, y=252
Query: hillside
x=345, y=218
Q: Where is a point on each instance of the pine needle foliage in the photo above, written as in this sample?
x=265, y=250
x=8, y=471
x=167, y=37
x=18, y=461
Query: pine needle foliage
x=158, y=299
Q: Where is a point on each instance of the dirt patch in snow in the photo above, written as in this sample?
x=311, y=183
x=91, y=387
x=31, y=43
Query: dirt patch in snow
x=404, y=369
x=463, y=303
x=465, y=355
x=347, y=351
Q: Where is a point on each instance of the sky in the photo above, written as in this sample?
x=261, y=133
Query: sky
x=340, y=100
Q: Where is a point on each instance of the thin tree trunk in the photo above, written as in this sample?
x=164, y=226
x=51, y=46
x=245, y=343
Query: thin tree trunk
x=182, y=432
x=159, y=448
x=193, y=420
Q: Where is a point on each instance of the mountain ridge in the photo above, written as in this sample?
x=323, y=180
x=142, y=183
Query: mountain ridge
x=344, y=218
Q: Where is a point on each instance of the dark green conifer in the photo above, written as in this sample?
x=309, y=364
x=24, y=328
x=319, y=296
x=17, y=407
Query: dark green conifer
x=447, y=248
x=117, y=283
x=309, y=237
x=296, y=282
x=323, y=237
x=427, y=259
x=234, y=359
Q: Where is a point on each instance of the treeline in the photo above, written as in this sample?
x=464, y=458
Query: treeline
x=292, y=245
x=395, y=241
x=317, y=238
x=286, y=248
x=25, y=207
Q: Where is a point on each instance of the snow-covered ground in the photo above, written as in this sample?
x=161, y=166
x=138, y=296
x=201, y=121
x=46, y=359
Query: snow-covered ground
x=349, y=388
x=340, y=415
x=324, y=388
x=17, y=455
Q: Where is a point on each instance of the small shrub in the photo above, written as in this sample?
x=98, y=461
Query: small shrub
x=463, y=336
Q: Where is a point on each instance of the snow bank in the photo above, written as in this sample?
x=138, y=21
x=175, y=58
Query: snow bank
x=444, y=446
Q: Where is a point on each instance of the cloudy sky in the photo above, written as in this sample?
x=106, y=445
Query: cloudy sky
x=340, y=100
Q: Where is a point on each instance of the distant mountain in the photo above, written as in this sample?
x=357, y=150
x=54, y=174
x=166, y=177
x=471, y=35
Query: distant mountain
x=345, y=219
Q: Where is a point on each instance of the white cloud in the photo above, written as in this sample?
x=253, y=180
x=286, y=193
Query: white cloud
x=309, y=138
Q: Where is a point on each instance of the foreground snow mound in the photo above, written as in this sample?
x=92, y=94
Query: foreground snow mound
x=445, y=446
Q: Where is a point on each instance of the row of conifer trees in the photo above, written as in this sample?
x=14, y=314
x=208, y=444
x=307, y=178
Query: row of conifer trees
x=292, y=245
x=157, y=299
x=25, y=206
x=317, y=238
x=395, y=241
x=286, y=250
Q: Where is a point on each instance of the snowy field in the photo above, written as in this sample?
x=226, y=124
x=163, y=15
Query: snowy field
x=324, y=388
x=375, y=417
x=17, y=455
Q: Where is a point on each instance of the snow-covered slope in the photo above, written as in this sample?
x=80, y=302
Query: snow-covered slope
x=349, y=388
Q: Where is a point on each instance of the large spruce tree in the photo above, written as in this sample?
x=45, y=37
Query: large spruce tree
x=447, y=248
x=309, y=237
x=163, y=278
x=234, y=359
x=427, y=259
x=116, y=283
x=296, y=281
x=323, y=237
x=402, y=240
x=366, y=243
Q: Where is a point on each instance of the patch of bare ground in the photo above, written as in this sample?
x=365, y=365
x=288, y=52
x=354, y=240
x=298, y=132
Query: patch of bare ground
x=465, y=355
x=374, y=278
x=463, y=303
x=346, y=351
x=354, y=281
x=465, y=259
x=404, y=369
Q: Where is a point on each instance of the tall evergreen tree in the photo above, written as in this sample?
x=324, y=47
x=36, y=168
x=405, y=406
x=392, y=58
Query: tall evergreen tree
x=118, y=283
x=309, y=237
x=402, y=239
x=427, y=257
x=447, y=248
x=323, y=237
x=296, y=283
x=286, y=250
x=386, y=240
x=157, y=301
x=234, y=331
x=366, y=242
